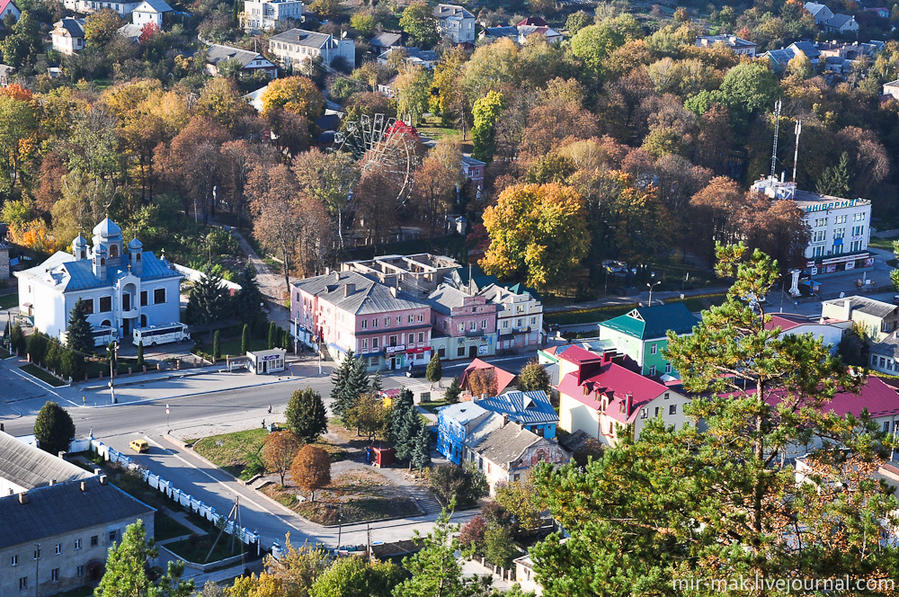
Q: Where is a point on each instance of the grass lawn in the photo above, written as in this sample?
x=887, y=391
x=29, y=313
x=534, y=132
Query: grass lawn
x=133, y=485
x=9, y=300
x=433, y=405
x=229, y=451
x=231, y=346
x=195, y=548
x=166, y=527
x=94, y=368
x=42, y=375
x=879, y=243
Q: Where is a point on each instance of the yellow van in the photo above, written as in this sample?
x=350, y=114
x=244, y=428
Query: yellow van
x=139, y=445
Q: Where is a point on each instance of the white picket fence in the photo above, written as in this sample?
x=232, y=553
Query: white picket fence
x=164, y=486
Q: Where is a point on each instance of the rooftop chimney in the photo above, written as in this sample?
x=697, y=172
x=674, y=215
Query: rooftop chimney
x=52, y=482
x=393, y=291
x=61, y=453
x=23, y=497
x=84, y=486
x=98, y=471
x=628, y=404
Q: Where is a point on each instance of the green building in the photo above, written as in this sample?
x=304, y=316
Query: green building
x=641, y=334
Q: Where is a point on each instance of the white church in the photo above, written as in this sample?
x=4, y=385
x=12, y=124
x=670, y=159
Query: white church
x=124, y=287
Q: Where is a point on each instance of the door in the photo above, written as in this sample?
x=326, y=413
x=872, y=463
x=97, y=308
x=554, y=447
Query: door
x=472, y=351
x=126, y=328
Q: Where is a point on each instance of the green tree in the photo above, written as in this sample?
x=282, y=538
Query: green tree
x=368, y=416
x=434, y=371
x=246, y=302
x=421, y=452
x=17, y=125
x=462, y=485
x=271, y=335
x=594, y=43
x=306, y=415
x=499, y=546
x=418, y=22
x=53, y=428
x=244, y=339
x=522, y=501
x=78, y=330
x=435, y=570
x=73, y=365
x=350, y=382
x=140, y=355
x=533, y=377
x=751, y=86
x=216, y=346
x=357, y=577
x=405, y=424
x=577, y=21
x=17, y=339
x=855, y=346
x=37, y=347
x=101, y=27
x=760, y=397
x=208, y=300
x=484, y=114
x=340, y=379
x=22, y=45
x=453, y=391
x=127, y=569
x=537, y=232
x=413, y=90
x=835, y=180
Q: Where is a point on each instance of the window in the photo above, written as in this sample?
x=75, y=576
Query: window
x=460, y=351
x=54, y=575
x=88, y=305
x=364, y=343
x=461, y=327
x=483, y=324
x=411, y=338
x=839, y=232
x=886, y=426
x=411, y=318
x=14, y=560
x=143, y=298
x=374, y=343
x=398, y=319
x=79, y=571
x=652, y=371
x=374, y=322
x=420, y=318
x=94, y=541
x=37, y=553
x=364, y=324
x=23, y=583
x=820, y=222
x=818, y=251
x=668, y=368
x=58, y=548
x=533, y=321
x=392, y=340
x=386, y=322
x=643, y=413
x=818, y=236
x=653, y=348
x=158, y=296
x=112, y=536
x=506, y=324
x=105, y=304
x=667, y=395
x=421, y=337
x=859, y=217
x=656, y=412
x=78, y=543
x=518, y=323
x=473, y=325
x=839, y=220
x=672, y=409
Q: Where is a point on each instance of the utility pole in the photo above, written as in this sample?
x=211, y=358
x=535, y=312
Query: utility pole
x=37, y=559
x=651, y=286
x=777, y=107
x=796, y=152
x=114, y=351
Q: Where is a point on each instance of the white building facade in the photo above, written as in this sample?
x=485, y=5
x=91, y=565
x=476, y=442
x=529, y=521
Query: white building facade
x=124, y=287
x=298, y=49
x=123, y=9
x=840, y=228
x=67, y=36
x=455, y=23
x=269, y=15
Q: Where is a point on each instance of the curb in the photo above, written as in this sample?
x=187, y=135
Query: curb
x=203, y=393
x=140, y=381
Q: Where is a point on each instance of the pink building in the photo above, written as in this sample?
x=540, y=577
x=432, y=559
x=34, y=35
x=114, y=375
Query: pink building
x=347, y=311
x=464, y=324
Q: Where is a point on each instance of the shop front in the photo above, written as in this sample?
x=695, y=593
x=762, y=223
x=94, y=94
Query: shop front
x=839, y=263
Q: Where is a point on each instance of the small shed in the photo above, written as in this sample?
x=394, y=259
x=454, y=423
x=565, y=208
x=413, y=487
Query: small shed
x=381, y=457
x=267, y=361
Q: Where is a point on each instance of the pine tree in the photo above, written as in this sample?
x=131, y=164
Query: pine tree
x=306, y=415
x=209, y=300
x=453, y=391
x=835, y=180
x=215, y=346
x=421, y=453
x=73, y=365
x=53, y=428
x=341, y=378
x=435, y=370
x=244, y=339
x=78, y=330
x=401, y=404
x=140, y=355
x=406, y=432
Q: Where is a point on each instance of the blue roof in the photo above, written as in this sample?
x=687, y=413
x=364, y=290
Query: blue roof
x=81, y=274
x=527, y=408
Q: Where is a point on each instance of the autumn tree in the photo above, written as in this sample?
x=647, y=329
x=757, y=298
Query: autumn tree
x=533, y=377
x=484, y=114
x=482, y=382
x=357, y=577
x=435, y=183
x=412, y=85
x=448, y=95
x=330, y=179
x=306, y=415
x=311, y=469
x=376, y=203
x=716, y=210
x=419, y=24
x=594, y=43
x=17, y=128
x=101, y=27
x=298, y=95
x=537, y=232
x=220, y=100
x=368, y=416
x=279, y=450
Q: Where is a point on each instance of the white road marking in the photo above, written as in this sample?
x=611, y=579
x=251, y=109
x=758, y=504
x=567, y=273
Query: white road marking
x=42, y=386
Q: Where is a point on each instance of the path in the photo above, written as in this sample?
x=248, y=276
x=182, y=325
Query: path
x=270, y=283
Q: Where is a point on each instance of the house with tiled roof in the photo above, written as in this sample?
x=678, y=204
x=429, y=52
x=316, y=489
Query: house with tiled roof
x=344, y=311
x=9, y=8
x=829, y=331
x=123, y=286
x=502, y=377
x=532, y=410
x=641, y=334
x=608, y=401
x=455, y=23
x=249, y=62
x=878, y=318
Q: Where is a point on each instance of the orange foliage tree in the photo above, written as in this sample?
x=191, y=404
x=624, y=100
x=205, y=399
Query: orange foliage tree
x=279, y=450
x=311, y=469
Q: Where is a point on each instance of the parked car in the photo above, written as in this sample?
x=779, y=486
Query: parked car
x=139, y=445
x=416, y=371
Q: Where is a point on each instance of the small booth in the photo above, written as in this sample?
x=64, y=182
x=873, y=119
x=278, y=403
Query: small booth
x=267, y=361
x=380, y=457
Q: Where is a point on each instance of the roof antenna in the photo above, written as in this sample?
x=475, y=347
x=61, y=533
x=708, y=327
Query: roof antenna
x=796, y=153
x=777, y=107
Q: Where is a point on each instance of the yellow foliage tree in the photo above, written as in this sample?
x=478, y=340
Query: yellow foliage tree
x=264, y=585
x=294, y=94
x=536, y=231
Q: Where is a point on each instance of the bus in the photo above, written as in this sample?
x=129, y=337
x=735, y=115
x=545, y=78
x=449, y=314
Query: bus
x=161, y=334
x=102, y=336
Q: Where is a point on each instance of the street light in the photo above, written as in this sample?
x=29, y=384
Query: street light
x=114, y=350
x=651, y=286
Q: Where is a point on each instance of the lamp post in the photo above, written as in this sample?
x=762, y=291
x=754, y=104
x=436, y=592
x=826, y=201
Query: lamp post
x=113, y=350
x=651, y=286
x=296, y=332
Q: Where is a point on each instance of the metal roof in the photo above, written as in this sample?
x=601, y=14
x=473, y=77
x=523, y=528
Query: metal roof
x=527, y=408
x=68, y=274
x=30, y=467
x=866, y=305
x=502, y=445
x=647, y=323
x=351, y=291
x=302, y=37
x=217, y=53
x=64, y=508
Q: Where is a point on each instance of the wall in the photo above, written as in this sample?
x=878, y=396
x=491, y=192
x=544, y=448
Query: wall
x=575, y=415
x=677, y=420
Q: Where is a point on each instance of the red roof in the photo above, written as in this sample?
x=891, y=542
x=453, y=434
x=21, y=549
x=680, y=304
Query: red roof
x=616, y=383
x=877, y=397
x=577, y=355
x=784, y=322
x=503, y=377
x=5, y=3
x=539, y=22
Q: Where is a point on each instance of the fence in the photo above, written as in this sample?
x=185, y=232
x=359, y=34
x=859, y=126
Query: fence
x=176, y=495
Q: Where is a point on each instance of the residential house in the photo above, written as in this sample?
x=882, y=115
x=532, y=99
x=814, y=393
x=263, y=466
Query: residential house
x=67, y=35
x=519, y=316
x=6, y=73
x=532, y=410
x=502, y=377
x=124, y=287
x=269, y=15
x=885, y=355
x=506, y=451
x=841, y=23
x=525, y=576
x=532, y=21
x=491, y=34
x=455, y=424
x=464, y=324
x=150, y=11
x=829, y=331
x=840, y=228
x=250, y=62
x=740, y=46
x=891, y=89
x=411, y=55
x=819, y=12
x=122, y=8
x=525, y=33
x=9, y=8
x=59, y=521
x=781, y=58
x=877, y=318
x=418, y=274
x=385, y=40
x=608, y=401
x=641, y=334
x=299, y=49
x=343, y=311
x=473, y=170
x=455, y=23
